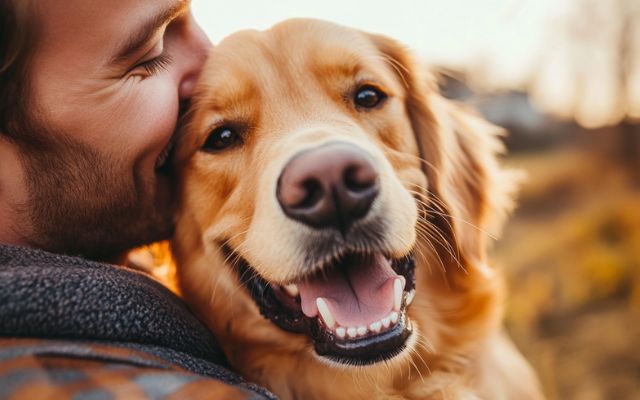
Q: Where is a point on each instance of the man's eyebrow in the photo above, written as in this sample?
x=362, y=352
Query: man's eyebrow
x=146, y=32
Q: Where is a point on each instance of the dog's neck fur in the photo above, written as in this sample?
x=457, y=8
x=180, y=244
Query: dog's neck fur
x=444, y=366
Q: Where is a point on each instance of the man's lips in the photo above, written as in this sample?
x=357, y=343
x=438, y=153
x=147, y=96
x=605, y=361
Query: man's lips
x=162, y=161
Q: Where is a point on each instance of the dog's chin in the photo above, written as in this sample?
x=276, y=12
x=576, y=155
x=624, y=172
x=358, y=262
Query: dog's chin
x=361, y=317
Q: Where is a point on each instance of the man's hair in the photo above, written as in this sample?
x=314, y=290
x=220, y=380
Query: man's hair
x=17, y=42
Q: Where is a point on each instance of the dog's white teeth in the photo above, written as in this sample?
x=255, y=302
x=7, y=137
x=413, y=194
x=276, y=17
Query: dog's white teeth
x=362, y=330
x=398, y=288
x=325, y=313
x=376, y=327
x=394, y=317
x=352, y=332
x=292, y=290
x=410, y=296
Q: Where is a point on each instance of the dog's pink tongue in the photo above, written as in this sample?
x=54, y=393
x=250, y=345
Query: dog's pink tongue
x=358, y=292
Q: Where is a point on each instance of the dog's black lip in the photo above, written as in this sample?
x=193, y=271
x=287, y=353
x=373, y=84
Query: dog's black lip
x=363, y=351
x=368, y=350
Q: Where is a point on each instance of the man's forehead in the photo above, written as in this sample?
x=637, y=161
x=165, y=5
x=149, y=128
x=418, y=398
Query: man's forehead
x=79, y=20
x=148, y=27
x=78, y=39
x=70, y=10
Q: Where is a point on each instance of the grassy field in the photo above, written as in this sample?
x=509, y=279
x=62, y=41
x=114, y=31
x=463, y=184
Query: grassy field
x=572, y=256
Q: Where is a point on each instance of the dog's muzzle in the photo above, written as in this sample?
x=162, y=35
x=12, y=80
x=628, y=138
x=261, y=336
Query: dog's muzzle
x=350, y=297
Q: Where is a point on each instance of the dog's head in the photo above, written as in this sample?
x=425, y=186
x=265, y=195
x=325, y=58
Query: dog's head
x=318, y=168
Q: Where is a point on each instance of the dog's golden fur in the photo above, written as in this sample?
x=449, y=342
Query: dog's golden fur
x=443, y=194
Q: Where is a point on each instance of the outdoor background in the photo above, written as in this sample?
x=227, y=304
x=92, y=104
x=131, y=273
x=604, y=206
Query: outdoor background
x=564, y=77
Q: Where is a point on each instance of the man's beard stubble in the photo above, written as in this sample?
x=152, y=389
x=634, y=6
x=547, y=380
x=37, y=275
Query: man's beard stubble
x=81, y=204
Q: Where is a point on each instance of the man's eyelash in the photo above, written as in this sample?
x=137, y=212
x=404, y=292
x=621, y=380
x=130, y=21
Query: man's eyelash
x=157, y=64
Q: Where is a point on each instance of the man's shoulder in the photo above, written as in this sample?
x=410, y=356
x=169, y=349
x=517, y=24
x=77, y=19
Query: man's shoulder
x=72, y=307
x=31, y=368
x=48, y=295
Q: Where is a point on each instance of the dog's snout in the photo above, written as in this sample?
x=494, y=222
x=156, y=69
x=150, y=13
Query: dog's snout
x=330, y=186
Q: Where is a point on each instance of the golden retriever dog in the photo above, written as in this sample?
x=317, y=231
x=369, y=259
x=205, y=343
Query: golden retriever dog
x=333, y=218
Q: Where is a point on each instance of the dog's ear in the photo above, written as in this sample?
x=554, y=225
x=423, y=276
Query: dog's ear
x=469, y=193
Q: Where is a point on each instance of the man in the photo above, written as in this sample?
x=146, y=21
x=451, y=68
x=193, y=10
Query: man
x=91, y=92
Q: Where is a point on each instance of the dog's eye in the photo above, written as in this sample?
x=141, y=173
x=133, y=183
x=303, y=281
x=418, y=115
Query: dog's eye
x=369, y=97
x=220, y=139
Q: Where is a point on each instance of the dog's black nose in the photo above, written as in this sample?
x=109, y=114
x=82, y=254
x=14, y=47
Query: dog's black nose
x=331, y=186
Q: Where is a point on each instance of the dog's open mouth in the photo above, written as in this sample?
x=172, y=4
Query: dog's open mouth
x=354, y=309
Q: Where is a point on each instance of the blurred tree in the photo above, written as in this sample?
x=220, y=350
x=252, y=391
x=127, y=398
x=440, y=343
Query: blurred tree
x=589, y=66
x=589, y=70
x=629, y=53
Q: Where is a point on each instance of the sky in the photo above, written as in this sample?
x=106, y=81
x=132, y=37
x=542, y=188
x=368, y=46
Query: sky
x=442, y=31
x=500, y=44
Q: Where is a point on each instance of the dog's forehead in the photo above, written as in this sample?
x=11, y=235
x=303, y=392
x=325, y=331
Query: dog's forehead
x=293, y=51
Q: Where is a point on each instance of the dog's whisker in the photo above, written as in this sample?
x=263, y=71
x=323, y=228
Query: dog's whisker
x=220, y=276
x=421, y=160
x=427, y=240
x=415, y=353
x=462, y=220
x=436, y=206
x=442, y=269
x=447, y=217
x=427, y=203
x=244, y=232
x=397, y=66
x=415, y=366
x=387, y=366
x=424, y=343
x=234, y=266
x=439, y=239
x=428, y=346
x=432, y=235
x=444, y=243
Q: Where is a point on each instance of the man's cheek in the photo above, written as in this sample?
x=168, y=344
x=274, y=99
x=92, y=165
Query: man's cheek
x=151, y=119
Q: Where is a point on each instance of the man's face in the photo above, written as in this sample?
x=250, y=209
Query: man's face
x=107, y=84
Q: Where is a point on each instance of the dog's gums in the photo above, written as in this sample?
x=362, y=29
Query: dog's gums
x=354, y=309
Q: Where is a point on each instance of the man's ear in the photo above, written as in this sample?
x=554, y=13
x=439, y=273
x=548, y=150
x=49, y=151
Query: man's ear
x=469, y=193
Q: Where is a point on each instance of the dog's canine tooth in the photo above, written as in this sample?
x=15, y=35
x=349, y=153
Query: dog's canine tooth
x=394, y=317
x=324, y=311
x=376, y=327
x=410, y=296
x=341, y=332
x=362, y=330
x=292, y=290
x=352, y=332
x=398, y=288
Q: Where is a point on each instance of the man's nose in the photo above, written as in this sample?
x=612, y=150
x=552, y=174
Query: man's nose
x=194, y=52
